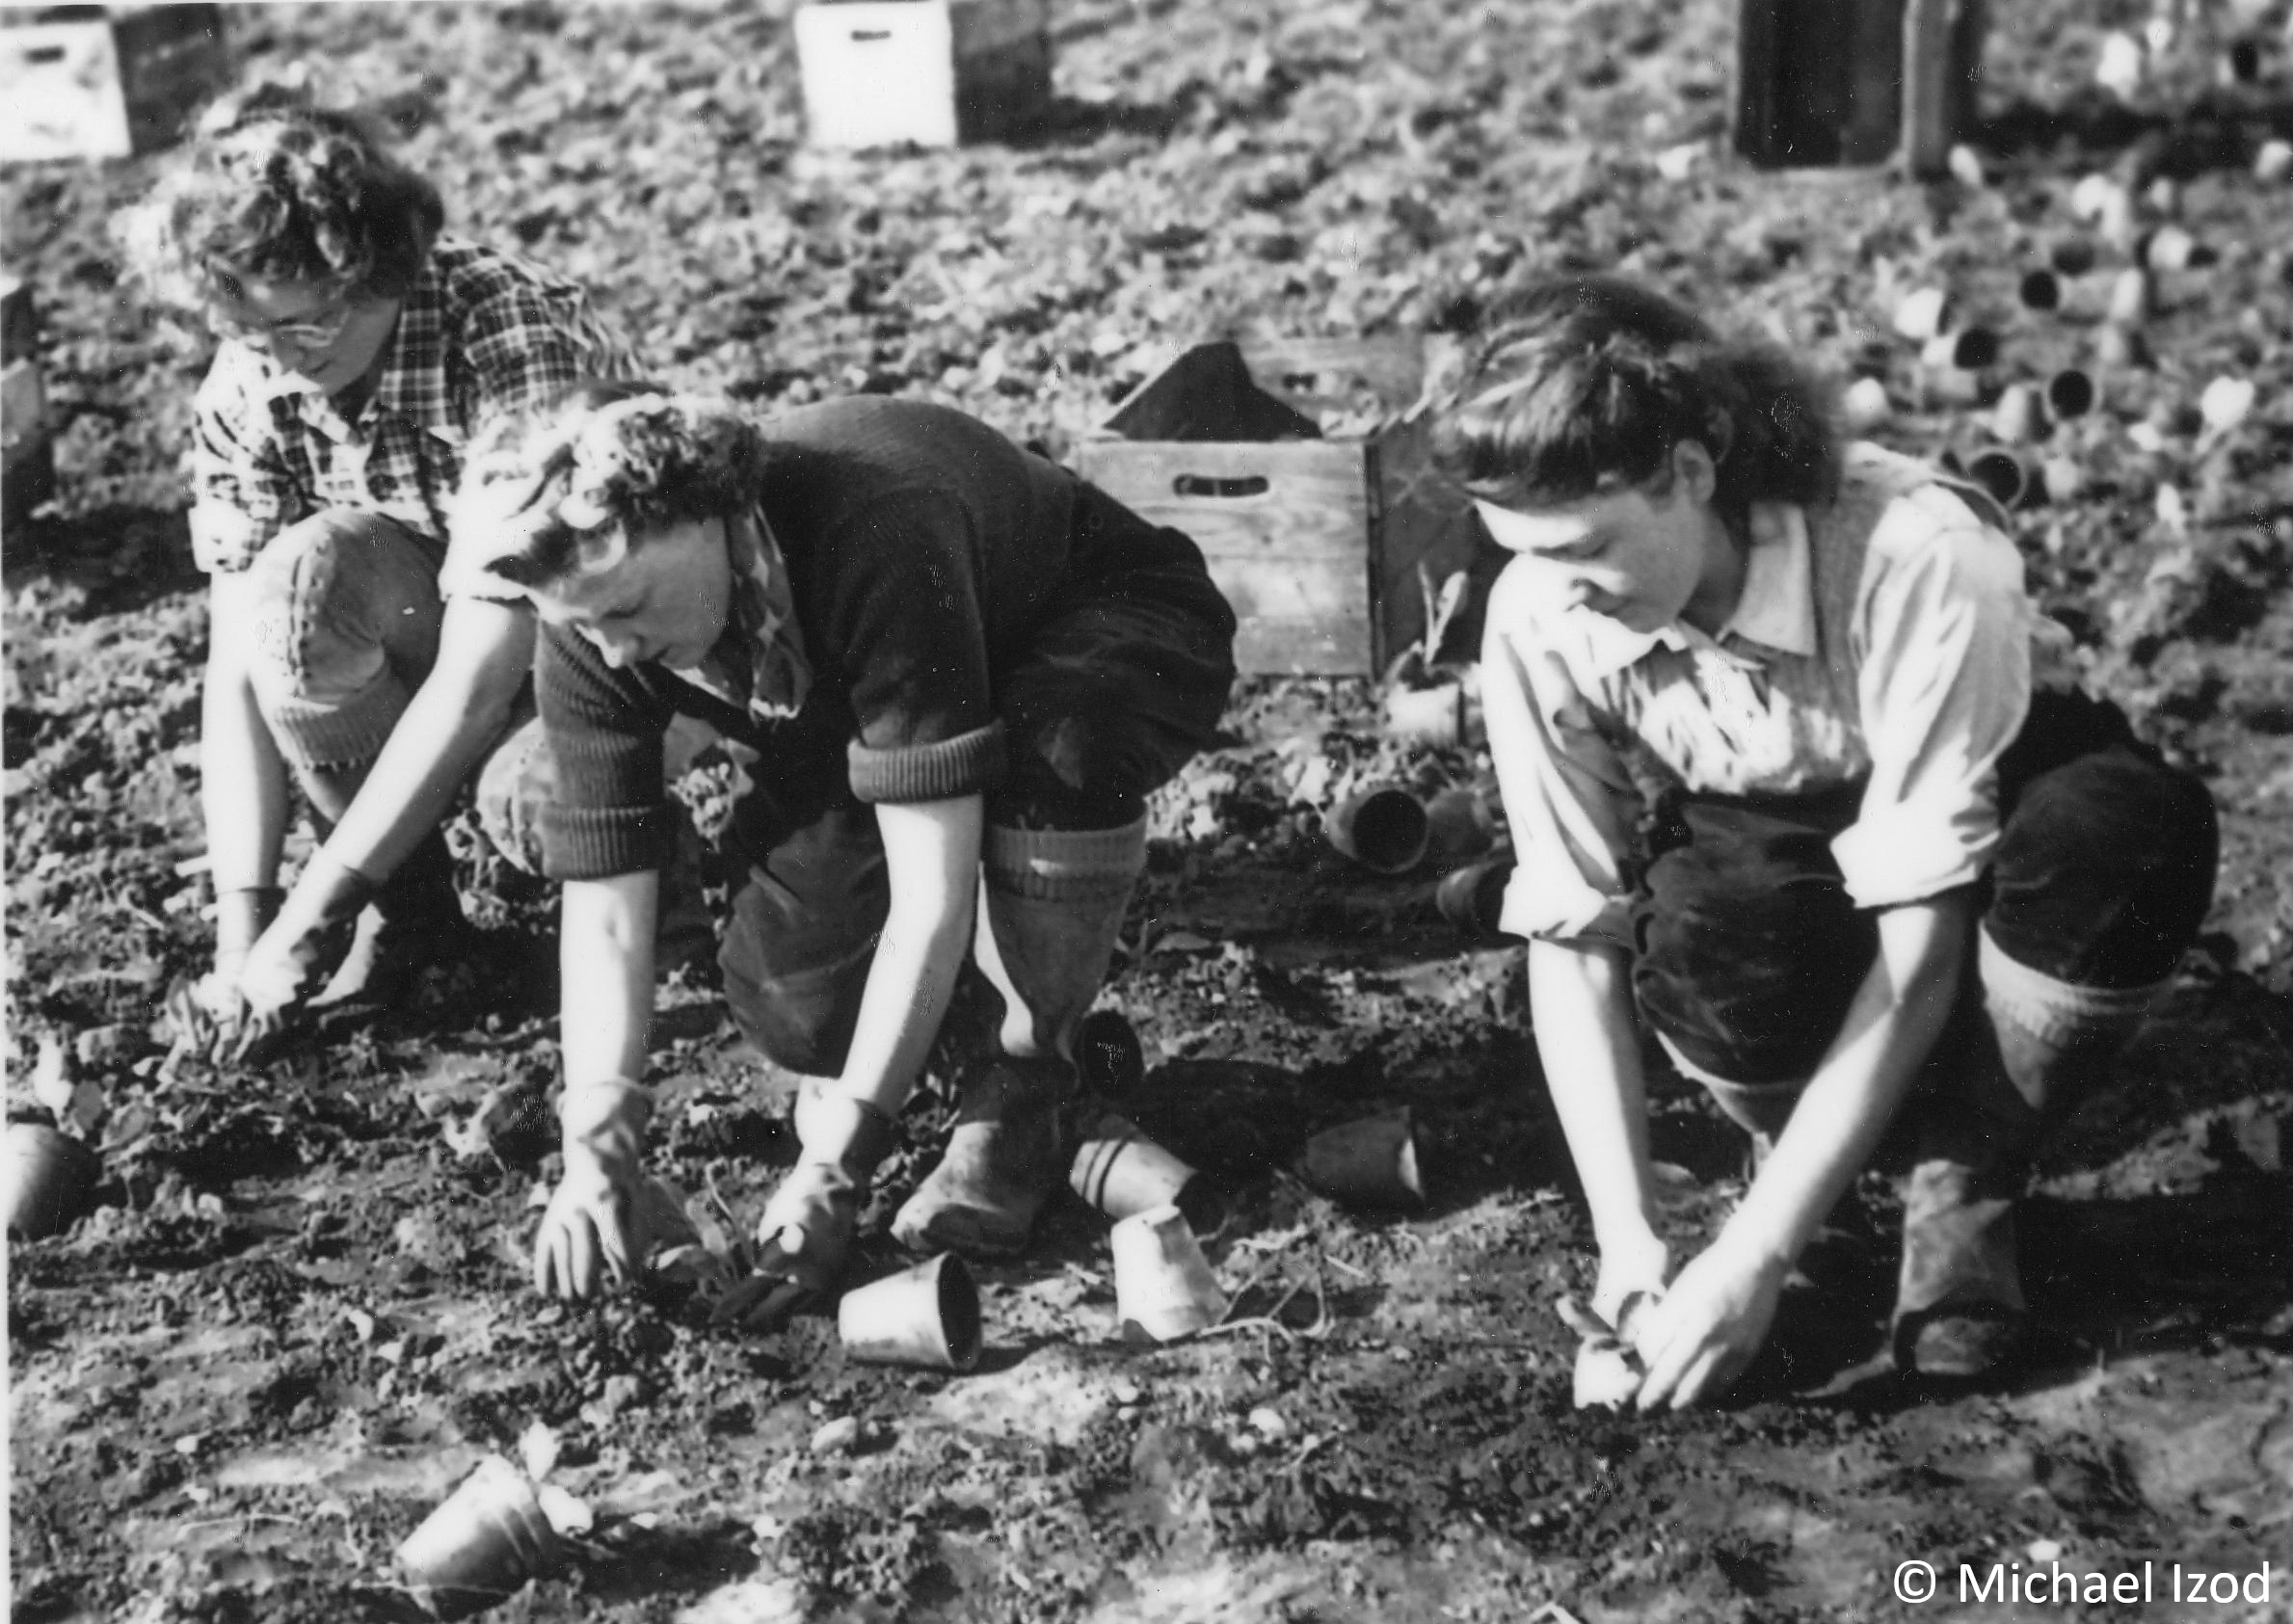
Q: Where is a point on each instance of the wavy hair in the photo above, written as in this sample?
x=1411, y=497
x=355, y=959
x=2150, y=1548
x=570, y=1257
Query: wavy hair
x=273, y=185
x=568, y=488
x=1584, y=384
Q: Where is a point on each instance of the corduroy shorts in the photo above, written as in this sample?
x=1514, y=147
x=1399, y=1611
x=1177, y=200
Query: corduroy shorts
x=1750, y=949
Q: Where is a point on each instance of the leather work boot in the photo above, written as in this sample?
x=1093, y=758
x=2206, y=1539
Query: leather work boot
x=1959, y=1311
x=1010, y=1152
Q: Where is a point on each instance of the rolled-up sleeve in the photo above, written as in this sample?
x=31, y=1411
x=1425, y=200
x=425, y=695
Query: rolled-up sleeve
x=609, y=814
x=242, y=494
x=1567, y=798
x=902, y=617
x=1943, y=630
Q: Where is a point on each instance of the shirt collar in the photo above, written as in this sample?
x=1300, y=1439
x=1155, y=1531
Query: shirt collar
x=1777, y=609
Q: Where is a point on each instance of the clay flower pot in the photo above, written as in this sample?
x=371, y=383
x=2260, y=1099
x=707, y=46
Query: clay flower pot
x=1123, y=1173
x=482, y=1542
x=49, y=1178
x=1371, y=1162
x=927, y=1317
x=1163, y=1287
x=1473, y=899
x=1384, y=828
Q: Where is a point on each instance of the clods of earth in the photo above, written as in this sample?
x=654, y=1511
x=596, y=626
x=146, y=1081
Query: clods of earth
x=293, y=1315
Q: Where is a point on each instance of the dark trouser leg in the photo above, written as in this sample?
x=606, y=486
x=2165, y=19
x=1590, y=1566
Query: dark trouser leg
x=1749, y=952
x=2104, y=872
x=1115, y=697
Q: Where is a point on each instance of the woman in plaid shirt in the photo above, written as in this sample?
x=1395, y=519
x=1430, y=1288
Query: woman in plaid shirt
x=359, y=347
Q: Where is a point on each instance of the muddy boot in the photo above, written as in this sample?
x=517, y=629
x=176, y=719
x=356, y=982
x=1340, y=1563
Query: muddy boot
x=2040, y=1047
x=1050, y=904
x=413, y=923
x=1010, y=1152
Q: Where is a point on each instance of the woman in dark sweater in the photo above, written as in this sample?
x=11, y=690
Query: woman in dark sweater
x=948, y=672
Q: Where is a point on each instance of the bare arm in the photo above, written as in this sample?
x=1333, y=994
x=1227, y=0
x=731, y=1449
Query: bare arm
x=595, y=1230
x=484, y=652
x=242, y=777
x=606, y=975
x=1715, y=1315
x=1588, y=1039
x=931, y=849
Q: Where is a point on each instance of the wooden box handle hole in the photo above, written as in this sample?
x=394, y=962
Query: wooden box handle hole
x=1210, y=485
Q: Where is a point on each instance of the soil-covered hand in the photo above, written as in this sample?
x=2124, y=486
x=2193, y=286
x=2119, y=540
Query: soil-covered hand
x=594, y=1231
x=1699, y=1337
x=291, y=958
x=803, y=1242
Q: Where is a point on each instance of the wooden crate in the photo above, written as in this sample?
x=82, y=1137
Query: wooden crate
x=934, y=73
x=1855, y=81
x=104, y=81
x=1316, y=542
x=27, y=458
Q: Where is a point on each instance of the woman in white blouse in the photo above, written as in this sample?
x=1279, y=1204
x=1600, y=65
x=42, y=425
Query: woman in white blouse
x=1764, y=719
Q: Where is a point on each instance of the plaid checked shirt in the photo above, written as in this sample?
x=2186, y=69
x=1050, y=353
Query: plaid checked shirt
x=480, y=330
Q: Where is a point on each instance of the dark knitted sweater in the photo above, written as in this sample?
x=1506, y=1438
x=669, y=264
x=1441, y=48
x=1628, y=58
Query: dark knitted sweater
x=924, y=550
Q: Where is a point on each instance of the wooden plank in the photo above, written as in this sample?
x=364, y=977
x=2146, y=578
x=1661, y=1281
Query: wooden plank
x=1942, y=52
x=1285, y=528
x=1427, y=521
x=1302, y=649
x=1334, y=372
x=1287, y=498
x=1794, y=70
x=1002, y=68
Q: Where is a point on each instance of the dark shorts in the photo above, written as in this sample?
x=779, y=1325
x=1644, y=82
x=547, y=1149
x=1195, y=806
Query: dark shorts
x=1750, y=949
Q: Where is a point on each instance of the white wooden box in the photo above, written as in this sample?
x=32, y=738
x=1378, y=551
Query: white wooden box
x=111, y=86
x=934, y=73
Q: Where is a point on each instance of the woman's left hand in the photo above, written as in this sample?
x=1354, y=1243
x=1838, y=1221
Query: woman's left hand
x=1698, y=1338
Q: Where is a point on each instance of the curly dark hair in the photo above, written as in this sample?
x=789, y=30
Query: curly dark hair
x=566, y=486
x=275, y=186
x=1587, y=383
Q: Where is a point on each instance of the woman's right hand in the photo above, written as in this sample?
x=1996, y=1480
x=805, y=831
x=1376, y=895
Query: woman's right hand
x=1635, y=1264
x=594, y=1231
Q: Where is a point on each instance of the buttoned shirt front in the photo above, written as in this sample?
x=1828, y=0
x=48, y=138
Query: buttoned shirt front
x=480, y=330
x=1883, y=640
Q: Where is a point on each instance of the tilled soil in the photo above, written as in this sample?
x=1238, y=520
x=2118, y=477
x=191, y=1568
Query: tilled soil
x=297, y=1311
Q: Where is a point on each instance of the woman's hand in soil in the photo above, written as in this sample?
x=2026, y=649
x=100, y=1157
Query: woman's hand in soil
x=311, y=932
x=1699, y=1335
x=803, y=1243
x=1635, y=1266
x=594, y=1231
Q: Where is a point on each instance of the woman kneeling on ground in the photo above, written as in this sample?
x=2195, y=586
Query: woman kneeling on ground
x=948, y=670
x=1764, y=720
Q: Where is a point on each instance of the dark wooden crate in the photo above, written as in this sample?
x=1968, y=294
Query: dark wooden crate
x=1822, y=82
x=1317, y=541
